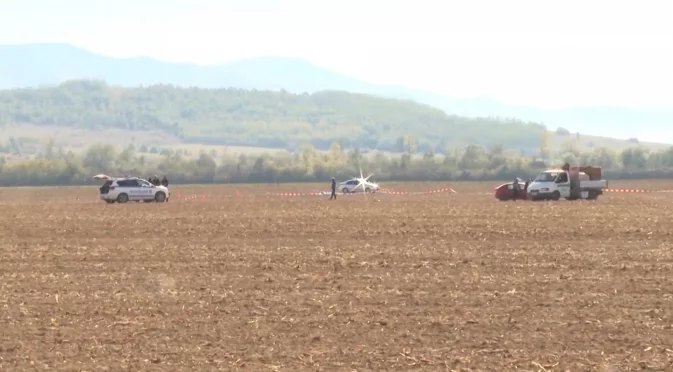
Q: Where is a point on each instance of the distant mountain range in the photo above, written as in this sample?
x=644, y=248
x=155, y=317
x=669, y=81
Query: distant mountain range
x=32, y=65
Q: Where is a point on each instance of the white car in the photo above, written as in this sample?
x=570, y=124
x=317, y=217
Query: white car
x=123, y=190
x=352, y=186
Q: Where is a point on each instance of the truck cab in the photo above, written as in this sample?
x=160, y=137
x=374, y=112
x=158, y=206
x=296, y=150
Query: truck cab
x=567, y=182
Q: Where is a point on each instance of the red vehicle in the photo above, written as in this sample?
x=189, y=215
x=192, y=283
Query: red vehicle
x=505, y=191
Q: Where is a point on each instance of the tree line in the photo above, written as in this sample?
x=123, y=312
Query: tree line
x=267, y=119
x=54, y=166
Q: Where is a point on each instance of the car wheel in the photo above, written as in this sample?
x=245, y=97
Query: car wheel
x=345, y=190
x=122, y=198
x=368, y=189
x=160, y=197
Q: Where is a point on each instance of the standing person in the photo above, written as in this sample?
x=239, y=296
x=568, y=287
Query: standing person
x=515, y=188
x=333, y=196
x=164, y=181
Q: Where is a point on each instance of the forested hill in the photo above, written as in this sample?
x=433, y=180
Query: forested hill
x=29, y=65
x=259, y=118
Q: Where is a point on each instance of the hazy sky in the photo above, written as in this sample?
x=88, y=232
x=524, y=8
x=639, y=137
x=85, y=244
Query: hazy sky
x=532, y=52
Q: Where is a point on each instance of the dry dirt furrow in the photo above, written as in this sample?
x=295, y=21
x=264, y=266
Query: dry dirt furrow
x=422, y=282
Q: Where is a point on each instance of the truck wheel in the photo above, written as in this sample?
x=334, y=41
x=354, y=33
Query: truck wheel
x=122, y=198
x=555, y=195
x=592, y=195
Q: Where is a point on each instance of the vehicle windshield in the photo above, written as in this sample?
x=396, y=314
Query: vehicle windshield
x=546, y=177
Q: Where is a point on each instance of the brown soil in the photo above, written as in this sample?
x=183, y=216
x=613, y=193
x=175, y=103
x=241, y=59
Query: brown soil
x=237, y=279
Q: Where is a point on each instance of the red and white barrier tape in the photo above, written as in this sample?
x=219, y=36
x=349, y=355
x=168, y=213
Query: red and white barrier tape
x=179, y=197
x=391, y=192
x=384, y=191
x=605, y=190
x=635, y=190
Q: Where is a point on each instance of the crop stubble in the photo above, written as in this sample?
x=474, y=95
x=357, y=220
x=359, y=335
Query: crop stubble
x=433, y=282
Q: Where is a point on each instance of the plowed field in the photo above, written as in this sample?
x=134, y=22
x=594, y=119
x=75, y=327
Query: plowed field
x=227, y=278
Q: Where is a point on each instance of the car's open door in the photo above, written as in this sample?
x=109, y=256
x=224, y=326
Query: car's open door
x=102, y=177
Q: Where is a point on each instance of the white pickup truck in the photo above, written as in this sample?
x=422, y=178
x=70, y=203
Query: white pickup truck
x=568, y=182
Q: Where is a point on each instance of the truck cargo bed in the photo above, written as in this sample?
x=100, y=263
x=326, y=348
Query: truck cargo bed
x=597, y=184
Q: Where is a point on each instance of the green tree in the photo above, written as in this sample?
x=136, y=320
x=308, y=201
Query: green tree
x=602, y=157
x=49, y=149
x=544, y=145
x=470, y=162
x=100, y=158
x=474, y=158
x=634, y=158
x=308, y=158
x=205, y=167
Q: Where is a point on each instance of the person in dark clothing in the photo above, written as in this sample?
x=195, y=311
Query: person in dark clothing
x=515, y=189
x=333, y=196
x=164, y=182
